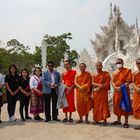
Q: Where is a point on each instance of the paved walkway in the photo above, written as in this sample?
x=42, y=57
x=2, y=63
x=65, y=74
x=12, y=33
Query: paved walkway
x=32, y=130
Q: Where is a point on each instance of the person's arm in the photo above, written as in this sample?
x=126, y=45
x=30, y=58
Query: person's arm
x=136, y=88
x=113, y=83
x=95, y=85
x=22, y=90
x=8, y=88
x=76, y=84
x=87, y=86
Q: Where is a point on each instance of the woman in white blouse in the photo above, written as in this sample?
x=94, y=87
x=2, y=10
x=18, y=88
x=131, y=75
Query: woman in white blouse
x=36, y=94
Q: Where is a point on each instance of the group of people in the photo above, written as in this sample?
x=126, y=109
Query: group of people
x=91, y=90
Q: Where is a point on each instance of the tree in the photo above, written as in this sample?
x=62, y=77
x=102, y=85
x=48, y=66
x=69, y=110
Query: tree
x=57, y=46
x=15, y=47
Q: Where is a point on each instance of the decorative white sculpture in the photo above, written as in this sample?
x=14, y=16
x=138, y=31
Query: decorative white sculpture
x=66, y=57
x=118, y=40
x=43, y=54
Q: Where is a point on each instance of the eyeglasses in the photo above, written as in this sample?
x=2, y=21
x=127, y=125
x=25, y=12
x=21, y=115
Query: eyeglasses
x=50, y=65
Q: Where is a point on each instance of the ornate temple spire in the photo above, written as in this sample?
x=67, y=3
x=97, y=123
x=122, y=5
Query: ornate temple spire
x=117, y=39
x=111, y=14
x=137, y=28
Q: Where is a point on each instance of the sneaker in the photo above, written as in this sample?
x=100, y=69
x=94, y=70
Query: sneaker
x=12, y=119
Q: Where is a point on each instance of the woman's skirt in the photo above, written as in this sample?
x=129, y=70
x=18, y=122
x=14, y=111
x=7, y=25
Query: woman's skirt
x=36, y=105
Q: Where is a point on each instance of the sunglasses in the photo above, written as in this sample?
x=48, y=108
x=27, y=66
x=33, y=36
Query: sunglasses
x=50, y=65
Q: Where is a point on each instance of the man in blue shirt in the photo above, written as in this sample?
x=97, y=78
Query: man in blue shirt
x=51, y=81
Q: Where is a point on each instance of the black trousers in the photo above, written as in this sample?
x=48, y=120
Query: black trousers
x=47, y=100
x=24, y=102
x=11, y=100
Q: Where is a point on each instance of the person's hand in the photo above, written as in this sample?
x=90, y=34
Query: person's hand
x=55, y=86
x=15, y=92
x=137, y=90
x=52, y=85
x=68, y=90
x=40, y=93
x=96, y=89
x=28, y=94
x=100, y=86
x=118, y=89
x=12, y=93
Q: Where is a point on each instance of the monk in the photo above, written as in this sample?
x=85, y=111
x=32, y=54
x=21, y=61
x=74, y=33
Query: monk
x=83, y=93
x=136, y=98
x=68, y=78
x=101, y=85
x=120, y=77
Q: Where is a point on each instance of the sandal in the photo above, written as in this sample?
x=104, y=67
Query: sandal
x=115, y=123
x=94, y=122
x=87, y=122
x=125, y=125
x=105, y=123
x=65, y=120
x=70, y=120
x=137, y=127
x=79, y=121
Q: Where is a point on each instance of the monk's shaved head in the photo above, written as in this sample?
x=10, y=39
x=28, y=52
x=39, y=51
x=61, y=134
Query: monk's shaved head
x=99, y=63
x=82, y=64
x=138, y=60
x=99, y=66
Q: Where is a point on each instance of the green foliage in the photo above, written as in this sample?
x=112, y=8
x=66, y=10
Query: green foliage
x=18, y=54
x=57, y=46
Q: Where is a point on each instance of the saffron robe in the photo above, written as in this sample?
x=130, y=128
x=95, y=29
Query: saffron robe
x=120, y=77
x=68, y=78
x=136, y=98
x=100, y=99
x=83, y=99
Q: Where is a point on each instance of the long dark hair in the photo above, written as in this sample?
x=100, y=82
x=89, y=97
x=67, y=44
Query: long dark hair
x=9, y=71
x=26, y=71
x=39, y=69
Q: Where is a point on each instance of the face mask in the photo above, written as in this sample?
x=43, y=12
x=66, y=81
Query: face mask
x=119, y=66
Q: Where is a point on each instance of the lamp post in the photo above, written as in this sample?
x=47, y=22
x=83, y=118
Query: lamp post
x=44, y=54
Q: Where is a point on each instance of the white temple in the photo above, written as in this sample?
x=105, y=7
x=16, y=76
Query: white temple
x=117, y=39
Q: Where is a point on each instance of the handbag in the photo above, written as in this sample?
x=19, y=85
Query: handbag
x=39, y=87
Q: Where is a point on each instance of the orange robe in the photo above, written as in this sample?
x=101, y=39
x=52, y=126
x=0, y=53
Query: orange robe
x=100, y=99
x=136, y=99
x=68, y=79
x=83, y=99
x=120, y=77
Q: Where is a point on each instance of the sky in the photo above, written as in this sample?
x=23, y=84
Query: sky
x=28, y=20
